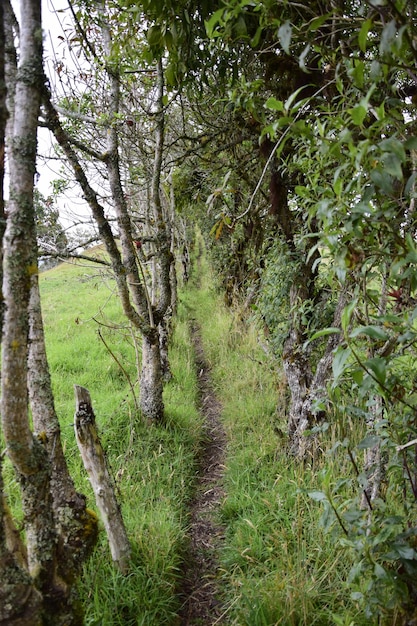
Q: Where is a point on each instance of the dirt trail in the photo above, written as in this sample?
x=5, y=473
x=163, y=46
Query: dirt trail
x=202, y=605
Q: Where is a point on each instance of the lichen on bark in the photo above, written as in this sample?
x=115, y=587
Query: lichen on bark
x=36, y=586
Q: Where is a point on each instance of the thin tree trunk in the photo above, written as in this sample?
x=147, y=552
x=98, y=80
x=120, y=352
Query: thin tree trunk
x=165, y=257
x=165, y=325
x=20, y=257
x=124, y=223
x=24, y=450
x=172, y=229
x=152, y=406
x=374, y=461
x=151, y=385
x=374, y=465
x=20, y=602
x=10, y=66
x=42, y=593
x=164, y=336
x=3, y=122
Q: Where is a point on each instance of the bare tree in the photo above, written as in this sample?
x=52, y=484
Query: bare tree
x=145, y=296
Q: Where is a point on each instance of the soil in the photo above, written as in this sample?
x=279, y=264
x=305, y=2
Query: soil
x=202, y=602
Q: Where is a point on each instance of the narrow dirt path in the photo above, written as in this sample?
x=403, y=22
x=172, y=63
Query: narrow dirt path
x=202, y=605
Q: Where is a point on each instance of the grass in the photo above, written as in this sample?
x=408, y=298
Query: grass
x=153, y=467
x=278, y=565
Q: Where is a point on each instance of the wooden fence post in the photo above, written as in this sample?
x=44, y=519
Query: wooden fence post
x=95, y=463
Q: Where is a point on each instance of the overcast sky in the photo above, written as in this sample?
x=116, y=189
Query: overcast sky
x=52, y=23
x=55, y=19
x=52, y=29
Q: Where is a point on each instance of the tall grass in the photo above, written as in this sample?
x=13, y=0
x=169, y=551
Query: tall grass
x=153, y=466
x=278, y=566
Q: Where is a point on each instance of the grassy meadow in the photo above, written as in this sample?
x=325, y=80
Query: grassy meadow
x=153, y=467
x=278, y=566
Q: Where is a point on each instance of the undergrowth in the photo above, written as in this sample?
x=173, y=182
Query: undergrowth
x=279, y=565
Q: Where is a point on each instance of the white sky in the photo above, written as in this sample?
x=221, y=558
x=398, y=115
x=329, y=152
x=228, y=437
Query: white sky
x=55, y=18
x=52, y=30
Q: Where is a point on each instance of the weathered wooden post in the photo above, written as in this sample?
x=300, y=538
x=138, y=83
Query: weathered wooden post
x=95, y=463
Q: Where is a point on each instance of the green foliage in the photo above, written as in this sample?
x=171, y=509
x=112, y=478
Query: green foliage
x=345, y=145
x=372, y=364
x=273, y=308
x=159, y=29
x=273, y=301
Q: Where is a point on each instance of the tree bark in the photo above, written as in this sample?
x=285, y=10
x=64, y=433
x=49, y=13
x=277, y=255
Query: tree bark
x=19, y=588
x=34, y=587
x=20, y=264
x=173, y=232
x=3, y=122
x=95, y=464
x=165, y=256
x=305, y=386
x=375, y=461
x=134, y=280
x=20, y=602
x=151, y=385
x=11, y=31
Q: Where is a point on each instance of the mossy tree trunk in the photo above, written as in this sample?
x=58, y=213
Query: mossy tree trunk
x=3, y=122
x=20, y=602
x=75, y=525
x=25, y=451
x=306, y=375
x=164, y=227
x=307, y=386
x=151, y=380
x=37, y=579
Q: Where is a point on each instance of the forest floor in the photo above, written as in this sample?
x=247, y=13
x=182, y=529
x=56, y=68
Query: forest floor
x=202, y=602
